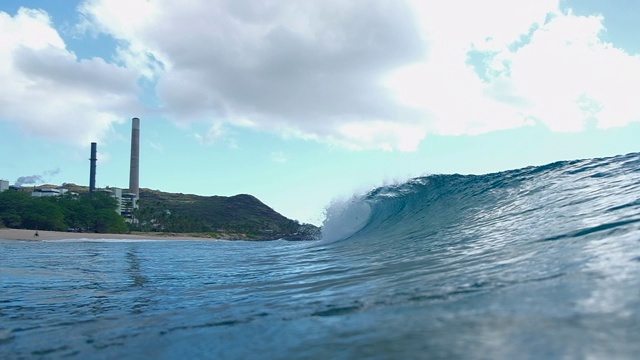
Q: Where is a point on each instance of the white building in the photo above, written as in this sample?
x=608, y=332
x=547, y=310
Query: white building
x=4, y=185
x=48, y=192
x=127, y=202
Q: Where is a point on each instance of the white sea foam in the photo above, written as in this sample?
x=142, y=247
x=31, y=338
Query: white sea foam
x=344, y=217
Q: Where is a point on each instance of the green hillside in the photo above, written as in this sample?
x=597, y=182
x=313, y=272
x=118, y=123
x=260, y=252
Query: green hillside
x=240, y=216
x=234, y=214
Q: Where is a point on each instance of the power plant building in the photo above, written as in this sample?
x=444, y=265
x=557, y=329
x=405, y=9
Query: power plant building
x=45, y=192
x=127, y=201
x=92, y=169
x=134, y=170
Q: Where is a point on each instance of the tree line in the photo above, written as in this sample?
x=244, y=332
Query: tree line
x=150, y=218
x=96, y=212
x=90, y=212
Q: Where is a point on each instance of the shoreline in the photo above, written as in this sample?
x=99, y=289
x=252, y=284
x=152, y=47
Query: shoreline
x=28, y=235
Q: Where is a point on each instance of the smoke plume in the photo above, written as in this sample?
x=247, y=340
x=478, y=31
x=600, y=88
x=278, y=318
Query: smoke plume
x=35, y=179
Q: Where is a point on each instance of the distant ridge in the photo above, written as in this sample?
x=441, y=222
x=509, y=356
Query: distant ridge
x=239, y=214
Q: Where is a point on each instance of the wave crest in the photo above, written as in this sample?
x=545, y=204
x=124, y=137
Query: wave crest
x=345, y=218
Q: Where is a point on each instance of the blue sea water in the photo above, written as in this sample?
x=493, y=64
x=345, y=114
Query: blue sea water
x=540, y=262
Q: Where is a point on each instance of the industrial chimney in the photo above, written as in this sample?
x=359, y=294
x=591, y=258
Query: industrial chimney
x=134, y=170
x=92, y=169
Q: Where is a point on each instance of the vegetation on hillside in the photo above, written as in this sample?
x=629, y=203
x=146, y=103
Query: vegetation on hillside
x=240, y=216
x=219, y=214
x=93, y=212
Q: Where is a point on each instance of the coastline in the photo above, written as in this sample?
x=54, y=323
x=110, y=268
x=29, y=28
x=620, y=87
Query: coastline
x=21, y=234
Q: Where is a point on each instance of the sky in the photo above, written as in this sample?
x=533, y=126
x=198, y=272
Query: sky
x=300, y=103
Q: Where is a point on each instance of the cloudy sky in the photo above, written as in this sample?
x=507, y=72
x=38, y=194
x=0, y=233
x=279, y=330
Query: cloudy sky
x=302, y=102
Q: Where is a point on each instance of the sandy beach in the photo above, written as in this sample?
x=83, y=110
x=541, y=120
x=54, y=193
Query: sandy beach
x=20, y=234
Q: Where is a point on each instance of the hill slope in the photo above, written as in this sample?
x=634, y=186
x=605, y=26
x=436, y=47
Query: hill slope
x=240, y=214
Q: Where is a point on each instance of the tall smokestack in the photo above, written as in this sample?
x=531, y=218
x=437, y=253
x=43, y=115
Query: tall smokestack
x=134, y=170
x=92, y=169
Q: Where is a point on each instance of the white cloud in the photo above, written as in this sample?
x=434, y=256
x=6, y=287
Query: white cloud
x=123, y=19
x=279, y=157
x=541, y=65
x=48, y=92
x=363, y=74
x=156, y=146
x=215, y=132
x=570, y=76
x=308, y=68
x=385, y=135
x=103, y=157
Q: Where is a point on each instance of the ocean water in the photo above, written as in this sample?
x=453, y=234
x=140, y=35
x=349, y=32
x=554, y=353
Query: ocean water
x=536, y=263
